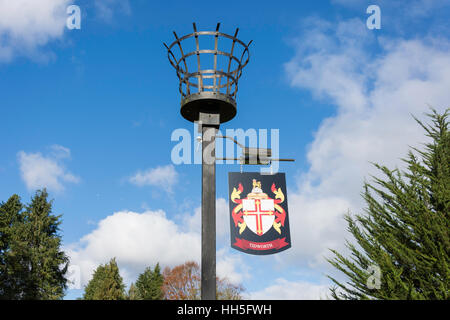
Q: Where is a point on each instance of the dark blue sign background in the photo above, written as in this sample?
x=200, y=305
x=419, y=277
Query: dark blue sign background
x=242, y=187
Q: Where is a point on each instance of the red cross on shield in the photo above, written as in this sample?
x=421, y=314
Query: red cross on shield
x=258, y=214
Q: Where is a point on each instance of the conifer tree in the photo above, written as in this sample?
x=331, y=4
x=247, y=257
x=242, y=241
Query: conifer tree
x=34, y=265
x=106, y=283
x=133, y=293
x=149, y=284
x=404, y=232
x=10, y=216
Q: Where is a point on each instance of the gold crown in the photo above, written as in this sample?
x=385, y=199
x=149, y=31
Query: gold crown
x=256, y=184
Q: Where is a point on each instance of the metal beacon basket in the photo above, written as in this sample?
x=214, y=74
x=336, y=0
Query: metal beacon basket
x=208, y=65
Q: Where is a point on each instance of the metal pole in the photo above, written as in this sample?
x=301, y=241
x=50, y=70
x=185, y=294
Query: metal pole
x=210, y=105
x=209, y=123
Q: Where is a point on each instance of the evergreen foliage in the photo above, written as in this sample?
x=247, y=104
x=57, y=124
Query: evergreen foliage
x=106, y=283
x=404, y=230
x=149, y=284
x=133, y=293
x=32, y=265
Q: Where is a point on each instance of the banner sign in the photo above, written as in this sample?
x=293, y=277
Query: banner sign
x=259, y=222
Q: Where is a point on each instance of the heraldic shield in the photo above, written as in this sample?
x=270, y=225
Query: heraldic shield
x=259, y=222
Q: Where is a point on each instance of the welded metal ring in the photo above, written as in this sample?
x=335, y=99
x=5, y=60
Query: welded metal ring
x=200, y=87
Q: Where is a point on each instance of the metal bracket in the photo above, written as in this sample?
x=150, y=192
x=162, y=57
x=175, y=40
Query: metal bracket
x=208, y=120
x=256, y=156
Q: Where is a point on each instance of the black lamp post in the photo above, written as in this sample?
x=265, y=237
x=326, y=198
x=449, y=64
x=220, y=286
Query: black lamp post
x=208, y=83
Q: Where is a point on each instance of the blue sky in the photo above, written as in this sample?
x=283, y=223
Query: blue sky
x=84, y=111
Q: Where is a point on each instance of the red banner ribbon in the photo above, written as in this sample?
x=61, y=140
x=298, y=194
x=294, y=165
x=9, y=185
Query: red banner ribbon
x=274, y=244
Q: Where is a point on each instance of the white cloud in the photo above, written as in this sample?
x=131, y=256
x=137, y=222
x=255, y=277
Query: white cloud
x=39, y=171
x=60, y=152
x=193, y=222
x=374, y=95
x=137, y=240
x=289, y=290
x=26, y=25
x=163, y=176
x=231, y=266
x=316, y=225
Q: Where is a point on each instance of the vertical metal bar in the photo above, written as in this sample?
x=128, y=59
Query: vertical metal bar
x=208, y=268
x=220, y=80
x=216, y=38
x=188, y=89
x=200, y=76
x=229, y=62
x=239, y=69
